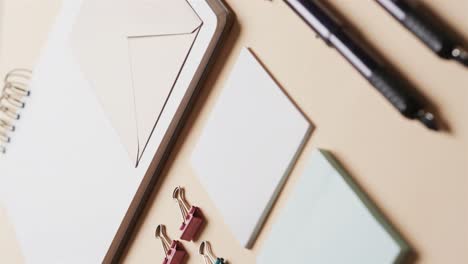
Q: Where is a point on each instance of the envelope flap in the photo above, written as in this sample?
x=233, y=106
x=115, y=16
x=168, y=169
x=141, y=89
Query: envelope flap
x=101, y=38
x=159, y=17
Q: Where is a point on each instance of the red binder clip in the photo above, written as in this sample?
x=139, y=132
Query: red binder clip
x=175, y=252
x=193, y=219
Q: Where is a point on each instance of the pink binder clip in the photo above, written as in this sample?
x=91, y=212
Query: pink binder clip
x=192, y=217
x=175, y=252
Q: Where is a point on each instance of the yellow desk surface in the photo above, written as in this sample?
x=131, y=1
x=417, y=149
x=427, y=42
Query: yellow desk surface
x=419, y=179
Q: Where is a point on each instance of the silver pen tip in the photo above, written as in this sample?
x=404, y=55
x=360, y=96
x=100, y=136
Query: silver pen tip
x=428, y=119
x=460, y=55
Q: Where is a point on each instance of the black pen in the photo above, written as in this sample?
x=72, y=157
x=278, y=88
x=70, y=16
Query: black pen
x=425, y=29
x=392, y=88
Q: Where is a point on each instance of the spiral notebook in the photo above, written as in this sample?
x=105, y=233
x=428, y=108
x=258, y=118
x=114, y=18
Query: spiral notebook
x=71, y=192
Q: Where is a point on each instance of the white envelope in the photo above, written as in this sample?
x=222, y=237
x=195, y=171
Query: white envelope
x=132, y=52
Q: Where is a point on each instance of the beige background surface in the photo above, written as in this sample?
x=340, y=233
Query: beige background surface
x=419, y=179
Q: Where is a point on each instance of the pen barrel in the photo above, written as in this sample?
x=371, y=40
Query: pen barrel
x=394, y=91
x=428, y=33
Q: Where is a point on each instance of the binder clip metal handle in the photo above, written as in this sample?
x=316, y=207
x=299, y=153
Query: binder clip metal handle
x=192, y=216
x=207, y=254
x=174, y=251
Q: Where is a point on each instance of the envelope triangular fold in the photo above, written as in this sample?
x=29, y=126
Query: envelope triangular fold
x=102, y=49
x=158, y=68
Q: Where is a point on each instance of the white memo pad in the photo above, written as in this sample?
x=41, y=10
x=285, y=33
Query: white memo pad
x=248, y=147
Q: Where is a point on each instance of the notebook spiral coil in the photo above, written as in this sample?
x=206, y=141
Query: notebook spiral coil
x=15, y=89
